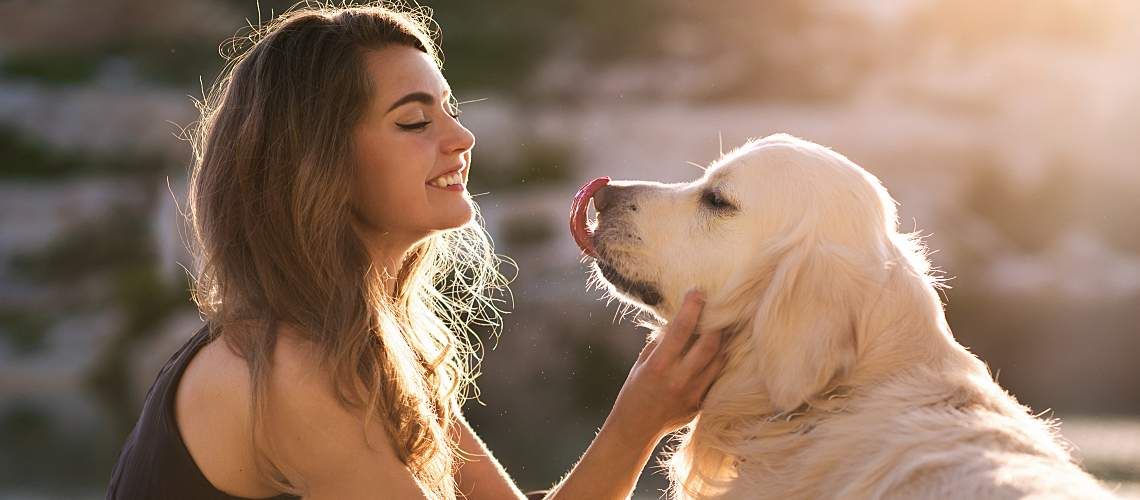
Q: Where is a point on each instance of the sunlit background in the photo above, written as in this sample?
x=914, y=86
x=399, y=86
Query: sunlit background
x=1009, y=131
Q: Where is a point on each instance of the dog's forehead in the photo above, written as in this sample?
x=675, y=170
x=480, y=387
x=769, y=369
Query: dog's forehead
x=737, y=163
x=748, y=159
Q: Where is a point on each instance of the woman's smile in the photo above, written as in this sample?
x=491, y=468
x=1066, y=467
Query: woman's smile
x=454, y=180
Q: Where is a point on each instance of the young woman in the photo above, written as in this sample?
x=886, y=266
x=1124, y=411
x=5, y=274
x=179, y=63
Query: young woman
x=340, y=262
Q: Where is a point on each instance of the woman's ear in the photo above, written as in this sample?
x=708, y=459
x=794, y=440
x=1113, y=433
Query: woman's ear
x=804, y=332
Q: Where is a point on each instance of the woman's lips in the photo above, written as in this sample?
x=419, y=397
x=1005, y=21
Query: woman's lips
x=582, y=234
x=455, y=180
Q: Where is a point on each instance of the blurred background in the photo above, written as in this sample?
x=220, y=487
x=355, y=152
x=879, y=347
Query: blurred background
x=1007, y=130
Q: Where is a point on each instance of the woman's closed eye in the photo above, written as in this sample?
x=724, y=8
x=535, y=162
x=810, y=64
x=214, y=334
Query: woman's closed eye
x=414, y=125
x=454, y=113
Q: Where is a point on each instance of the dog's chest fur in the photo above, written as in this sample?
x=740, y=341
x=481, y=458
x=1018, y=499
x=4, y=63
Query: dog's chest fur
x=967, y=442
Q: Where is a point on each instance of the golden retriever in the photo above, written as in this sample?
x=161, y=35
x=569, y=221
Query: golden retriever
x=843, y=379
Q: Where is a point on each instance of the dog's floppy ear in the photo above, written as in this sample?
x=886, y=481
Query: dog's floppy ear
x=804, y=331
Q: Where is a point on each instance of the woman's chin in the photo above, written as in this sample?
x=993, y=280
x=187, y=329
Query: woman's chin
x=459, y=216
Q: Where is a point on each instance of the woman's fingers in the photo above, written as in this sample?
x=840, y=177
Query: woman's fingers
x=703, y=351
x=706, y=378
x=647, y=350
x=678, y=332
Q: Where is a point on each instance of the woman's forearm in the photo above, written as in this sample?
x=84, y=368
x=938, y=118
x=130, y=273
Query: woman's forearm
x=663, y=392
x=611, y=465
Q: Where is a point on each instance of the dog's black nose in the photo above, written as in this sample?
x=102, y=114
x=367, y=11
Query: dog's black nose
x=616, y=196
x=613, y=196
x=601, y=200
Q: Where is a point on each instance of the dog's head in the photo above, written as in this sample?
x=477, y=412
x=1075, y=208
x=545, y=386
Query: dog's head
x=782, y=235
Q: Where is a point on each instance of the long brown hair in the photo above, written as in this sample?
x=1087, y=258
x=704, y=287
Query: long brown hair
x=270, y=213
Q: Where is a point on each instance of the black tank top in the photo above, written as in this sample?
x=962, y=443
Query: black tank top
x=154, y=462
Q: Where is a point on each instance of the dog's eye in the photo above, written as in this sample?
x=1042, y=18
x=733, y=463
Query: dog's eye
x=715, y=201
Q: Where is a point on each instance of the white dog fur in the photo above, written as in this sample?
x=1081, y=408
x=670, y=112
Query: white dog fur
x=843, y=379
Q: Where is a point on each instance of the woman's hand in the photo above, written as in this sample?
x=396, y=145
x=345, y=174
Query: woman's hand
x=662, y=393
x=665, y=388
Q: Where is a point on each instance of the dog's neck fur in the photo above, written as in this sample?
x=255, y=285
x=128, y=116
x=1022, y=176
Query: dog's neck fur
x=903, y=328
x=887, y=346
x=902, y=334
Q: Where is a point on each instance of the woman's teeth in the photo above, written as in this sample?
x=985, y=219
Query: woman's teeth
x=447, y=180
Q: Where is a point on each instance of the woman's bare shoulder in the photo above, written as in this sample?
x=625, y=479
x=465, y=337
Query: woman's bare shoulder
x=212, y=410
x=317, y=443
x=321, y=445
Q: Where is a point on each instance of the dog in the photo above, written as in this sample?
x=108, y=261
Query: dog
x=843, y=379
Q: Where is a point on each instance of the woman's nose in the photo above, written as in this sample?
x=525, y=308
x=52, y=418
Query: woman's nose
x=461, y=139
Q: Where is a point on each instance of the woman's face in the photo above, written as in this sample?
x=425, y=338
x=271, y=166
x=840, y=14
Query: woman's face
x=412, y=154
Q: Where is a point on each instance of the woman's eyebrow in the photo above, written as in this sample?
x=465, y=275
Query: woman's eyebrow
x=421, y=97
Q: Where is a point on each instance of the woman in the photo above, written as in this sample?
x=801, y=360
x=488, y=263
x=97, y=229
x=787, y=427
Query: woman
x=340, y=260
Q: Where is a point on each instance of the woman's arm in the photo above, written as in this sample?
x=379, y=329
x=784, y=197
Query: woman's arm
x=662, y=393
x=480, y=476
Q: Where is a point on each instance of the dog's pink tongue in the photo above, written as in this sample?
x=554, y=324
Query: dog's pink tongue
x=582, y=234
